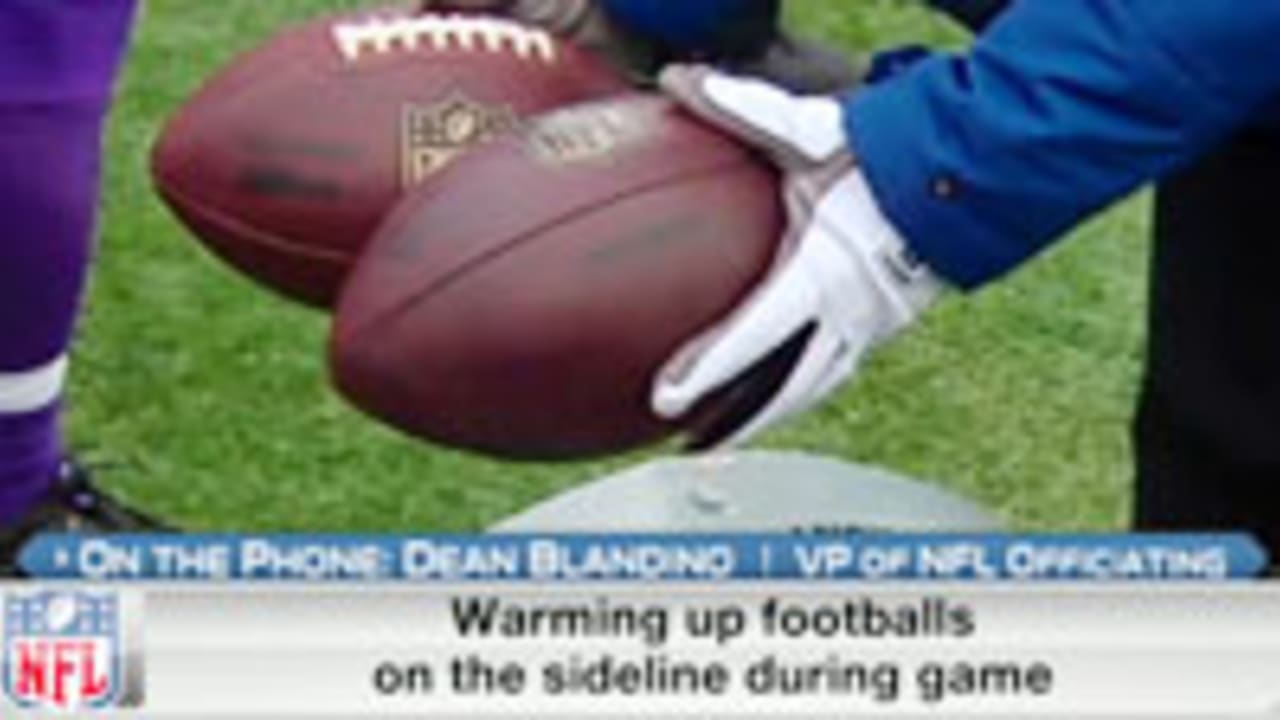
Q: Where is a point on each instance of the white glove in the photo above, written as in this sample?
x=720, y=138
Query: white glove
x=845, y=278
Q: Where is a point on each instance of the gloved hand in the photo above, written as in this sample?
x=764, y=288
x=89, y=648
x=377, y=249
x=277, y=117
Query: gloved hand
x=845, y=281
x=800, y=66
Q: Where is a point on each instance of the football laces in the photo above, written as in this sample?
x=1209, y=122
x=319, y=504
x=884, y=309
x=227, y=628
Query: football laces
x=442, y=33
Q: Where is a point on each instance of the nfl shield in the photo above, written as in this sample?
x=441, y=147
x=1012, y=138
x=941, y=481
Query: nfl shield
x=63, y=651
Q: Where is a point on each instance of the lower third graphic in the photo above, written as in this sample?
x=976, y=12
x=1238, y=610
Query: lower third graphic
x=67, y=651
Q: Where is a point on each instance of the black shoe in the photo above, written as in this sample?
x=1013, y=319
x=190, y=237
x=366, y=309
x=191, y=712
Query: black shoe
x=74, y=505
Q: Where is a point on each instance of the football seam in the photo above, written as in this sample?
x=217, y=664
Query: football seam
x=255, y=235
x=399, y=308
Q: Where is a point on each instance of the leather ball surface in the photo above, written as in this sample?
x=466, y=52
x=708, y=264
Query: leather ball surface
x=522, y=306
x=285, y=163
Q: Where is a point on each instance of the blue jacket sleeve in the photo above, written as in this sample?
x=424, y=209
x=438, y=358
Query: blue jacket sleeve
x=1060, y=109
x=693, y=25
x=975, y=14
x=727, y=27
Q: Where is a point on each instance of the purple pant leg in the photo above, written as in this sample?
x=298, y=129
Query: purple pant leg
x=58, y=60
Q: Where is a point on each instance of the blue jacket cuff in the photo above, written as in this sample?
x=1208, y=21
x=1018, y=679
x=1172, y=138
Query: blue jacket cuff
x=924, y=199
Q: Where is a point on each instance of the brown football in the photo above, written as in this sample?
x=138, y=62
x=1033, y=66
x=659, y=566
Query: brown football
x=285, y=163
x=522, y=305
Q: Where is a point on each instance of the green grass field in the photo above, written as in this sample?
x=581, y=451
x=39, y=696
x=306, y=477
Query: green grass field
x=211, y=396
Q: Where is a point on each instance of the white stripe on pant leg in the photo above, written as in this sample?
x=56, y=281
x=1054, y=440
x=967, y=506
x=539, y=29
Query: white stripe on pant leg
x=32, y=390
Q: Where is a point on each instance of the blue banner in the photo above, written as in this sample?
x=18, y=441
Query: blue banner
x=652, y=558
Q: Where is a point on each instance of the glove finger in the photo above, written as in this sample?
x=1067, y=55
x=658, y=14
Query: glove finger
x=797, y=132
x=748, y=396
x=784, y=307
x=827, y=362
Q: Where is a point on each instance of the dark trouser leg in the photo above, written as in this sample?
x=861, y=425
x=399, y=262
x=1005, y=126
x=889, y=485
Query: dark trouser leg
x=58, y=59
x=1208, y=434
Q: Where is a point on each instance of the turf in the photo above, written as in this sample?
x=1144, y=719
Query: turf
x=211, y=399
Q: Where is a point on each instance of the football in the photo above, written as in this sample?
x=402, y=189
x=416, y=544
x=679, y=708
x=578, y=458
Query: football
x=285, y=163
x=522, y=306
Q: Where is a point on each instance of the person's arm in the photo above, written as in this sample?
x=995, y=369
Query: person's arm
x=746, y=25
x=973, y=14
x=981, y=160
x=726, y=28
x=960, y=167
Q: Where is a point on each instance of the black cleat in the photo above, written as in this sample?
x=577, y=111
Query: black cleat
x=74, y=505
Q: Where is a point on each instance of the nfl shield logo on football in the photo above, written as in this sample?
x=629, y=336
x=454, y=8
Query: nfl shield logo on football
x=64, y=651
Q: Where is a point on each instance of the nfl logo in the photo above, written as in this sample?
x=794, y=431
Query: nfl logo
x=63, y=651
